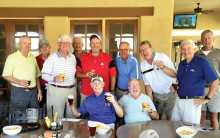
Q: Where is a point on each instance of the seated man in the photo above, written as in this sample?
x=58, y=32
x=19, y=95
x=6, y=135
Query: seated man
x=95, y=105
x=132, y=104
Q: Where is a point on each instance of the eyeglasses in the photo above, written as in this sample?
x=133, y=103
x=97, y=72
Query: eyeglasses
x=64, y=43
x=44, y=47
x=133, y=86
x=145, y=50
x=121, y=50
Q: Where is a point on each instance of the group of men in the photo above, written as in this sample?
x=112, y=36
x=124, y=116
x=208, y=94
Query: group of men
x=97, y=72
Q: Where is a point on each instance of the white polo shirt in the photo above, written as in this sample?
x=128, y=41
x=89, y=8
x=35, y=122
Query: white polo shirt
x=159, y=81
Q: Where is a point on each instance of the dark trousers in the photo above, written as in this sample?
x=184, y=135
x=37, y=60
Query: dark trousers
x=24, y=99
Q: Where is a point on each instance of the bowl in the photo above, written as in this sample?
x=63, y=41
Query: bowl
x=102, y=128
x=186, y=131
x=12, y=130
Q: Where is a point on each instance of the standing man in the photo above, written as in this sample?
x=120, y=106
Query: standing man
x=96, y=62
x=127, y=68
x=44, y=49
x=158, y=73
x=59, y=71
x=77, y=46
x=192, y=74
x=21, y=67
x=213, y=56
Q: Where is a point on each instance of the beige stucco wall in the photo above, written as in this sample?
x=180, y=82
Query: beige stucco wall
x=205, y=21
x=53, y=27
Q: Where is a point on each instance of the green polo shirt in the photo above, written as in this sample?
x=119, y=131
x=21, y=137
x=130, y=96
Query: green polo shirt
x=22, y=68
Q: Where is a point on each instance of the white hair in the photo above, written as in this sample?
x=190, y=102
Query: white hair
x=64, y=36
x=188, y=41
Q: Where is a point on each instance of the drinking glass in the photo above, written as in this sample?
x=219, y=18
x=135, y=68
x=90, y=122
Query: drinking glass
x=62, y=74
x=70, y=99
x=92, y=128
x=29, y=83
x=144, y=105
x=175, y=85
x=107, y=103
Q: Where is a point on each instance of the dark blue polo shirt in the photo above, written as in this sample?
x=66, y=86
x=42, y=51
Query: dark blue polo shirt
x=98, y=111
x=193, y=76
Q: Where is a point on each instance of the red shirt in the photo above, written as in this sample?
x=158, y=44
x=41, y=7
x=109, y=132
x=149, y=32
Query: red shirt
x=40, y=63
x=103, y=65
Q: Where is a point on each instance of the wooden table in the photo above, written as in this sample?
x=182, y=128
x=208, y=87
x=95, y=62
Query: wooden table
x=77, y=129
x=164, y=128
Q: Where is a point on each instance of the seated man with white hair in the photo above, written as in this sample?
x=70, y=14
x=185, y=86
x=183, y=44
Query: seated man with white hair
x=136, y=105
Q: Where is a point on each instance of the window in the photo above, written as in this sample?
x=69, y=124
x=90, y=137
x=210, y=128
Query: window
x=119, y=31
x=85, y=29
x=30, y=29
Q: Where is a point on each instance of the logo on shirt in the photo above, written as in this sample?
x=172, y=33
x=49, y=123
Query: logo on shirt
x=192, y=70
x=102, y=64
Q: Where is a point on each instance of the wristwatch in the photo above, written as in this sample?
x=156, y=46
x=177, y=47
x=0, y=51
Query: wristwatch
x=206, y=97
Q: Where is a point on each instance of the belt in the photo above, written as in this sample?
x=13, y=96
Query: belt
x=123, y=89
x=25, y=88
x=190, y=97
x=71, y=86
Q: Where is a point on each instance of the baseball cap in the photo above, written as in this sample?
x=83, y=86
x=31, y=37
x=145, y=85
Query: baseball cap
x=95, y=36
x=97, y=77
x=43, y=41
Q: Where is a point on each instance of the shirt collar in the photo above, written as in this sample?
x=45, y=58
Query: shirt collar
x=128, y=60
x=100, y=54
x=193, y=59
x=201, y=53
x=23, y=55
x=59, y=54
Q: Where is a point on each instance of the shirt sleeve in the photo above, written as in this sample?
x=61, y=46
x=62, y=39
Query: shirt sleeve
x=135, y=70
x=82, y=109
x=112, y=68
x=47, y=70
x=8, y=69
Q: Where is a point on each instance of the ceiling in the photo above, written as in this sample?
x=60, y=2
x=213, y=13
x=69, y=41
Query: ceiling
x=188, y=6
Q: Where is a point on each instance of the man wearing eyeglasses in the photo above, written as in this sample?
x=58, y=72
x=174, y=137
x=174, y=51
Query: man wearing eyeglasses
x=95, y=104
x=96, y=62
x=59, y=71
x=158, y=73
x=127, y=68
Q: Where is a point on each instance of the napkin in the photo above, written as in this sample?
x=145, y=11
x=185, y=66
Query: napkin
x=71, y=119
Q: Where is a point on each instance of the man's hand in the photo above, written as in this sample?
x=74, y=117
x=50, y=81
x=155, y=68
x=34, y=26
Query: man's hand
x=200, y=101
x=111, y=98
x=39, y=96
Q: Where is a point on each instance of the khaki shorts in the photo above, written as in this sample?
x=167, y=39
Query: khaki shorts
x=214, y=104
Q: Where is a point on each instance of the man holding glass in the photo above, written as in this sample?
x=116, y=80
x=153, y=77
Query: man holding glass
x=22, y=71
x=158, y=74
x=96, y=62
x=59, y=71
x=136, y=105
x=97, y=108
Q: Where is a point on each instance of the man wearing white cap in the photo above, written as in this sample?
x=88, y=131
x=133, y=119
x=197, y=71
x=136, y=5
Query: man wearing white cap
x=95, y=105
x=96, y=62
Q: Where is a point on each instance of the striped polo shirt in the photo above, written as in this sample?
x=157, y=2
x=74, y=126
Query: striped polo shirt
x=55, y=64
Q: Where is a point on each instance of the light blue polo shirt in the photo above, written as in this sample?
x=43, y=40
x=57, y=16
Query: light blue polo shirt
x=97, y=110
x=127, y=70
x=133, y=108
x=193, y=76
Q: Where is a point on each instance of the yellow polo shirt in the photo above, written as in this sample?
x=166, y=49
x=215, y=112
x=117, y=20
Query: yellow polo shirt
x=22, y=68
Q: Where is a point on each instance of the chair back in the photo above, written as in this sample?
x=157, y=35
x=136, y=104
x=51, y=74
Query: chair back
x=4, y=110
x=18, y=116
x=4, y=114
